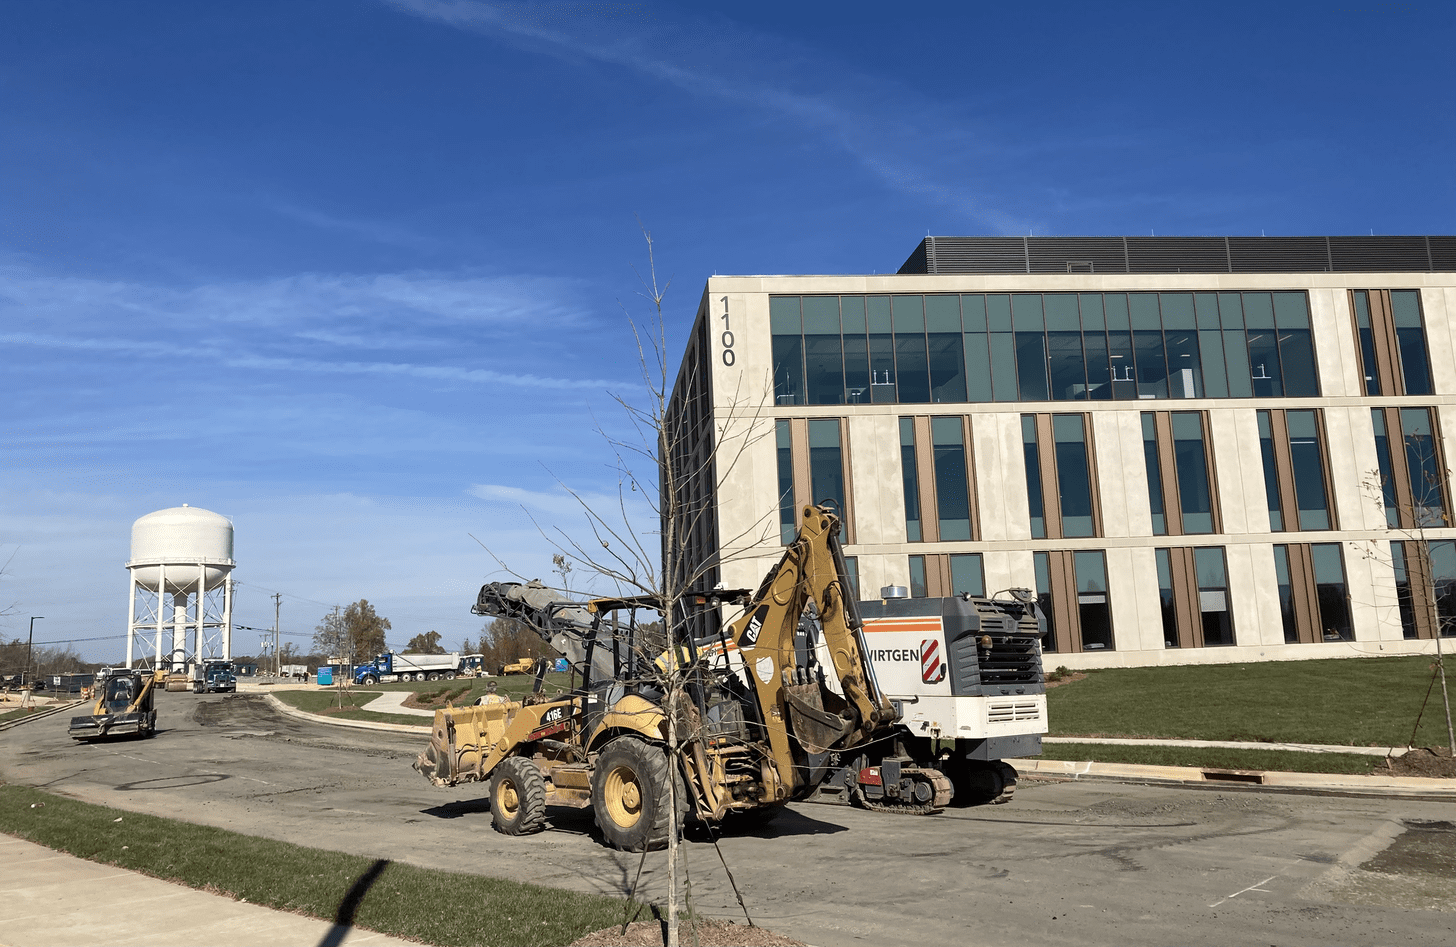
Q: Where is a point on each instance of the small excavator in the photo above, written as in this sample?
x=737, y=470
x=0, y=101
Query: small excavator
x=759, y=714
x=124, y=706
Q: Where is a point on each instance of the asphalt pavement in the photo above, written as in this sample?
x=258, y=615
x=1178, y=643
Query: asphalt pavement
x=58, y=899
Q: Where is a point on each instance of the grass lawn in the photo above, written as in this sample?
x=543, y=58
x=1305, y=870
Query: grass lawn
x=1350, y=702
x=18, y=713
x=437, y=907
x=1278, y=761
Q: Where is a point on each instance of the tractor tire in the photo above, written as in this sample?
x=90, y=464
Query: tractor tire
x=517, y=797
x=630, y=795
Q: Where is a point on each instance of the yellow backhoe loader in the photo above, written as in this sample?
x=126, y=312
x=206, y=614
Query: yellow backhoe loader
x=758, y=721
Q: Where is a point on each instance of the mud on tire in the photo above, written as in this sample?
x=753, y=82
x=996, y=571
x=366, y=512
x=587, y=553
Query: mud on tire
x=630, y=795
x=517, y=797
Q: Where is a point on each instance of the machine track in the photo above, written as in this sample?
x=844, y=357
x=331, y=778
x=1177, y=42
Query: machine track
x=940, y=785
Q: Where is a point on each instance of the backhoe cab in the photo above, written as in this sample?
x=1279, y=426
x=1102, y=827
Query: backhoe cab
x=757, y=721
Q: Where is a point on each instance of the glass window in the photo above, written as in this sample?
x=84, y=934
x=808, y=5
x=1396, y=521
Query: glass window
x=856, y=350
x=1271, y=473
x=966, y=576
x=1155, y=477
x=1166, y=600
x=882, y=350
x=1263, y=344
x=1410, y=335
x=1368, y=366
x=823, y=351
x=918, y=588
x=1194, y=497
x=952, y=485
x=1443, y=581
x=1033, y=476
x=978, y=357
x=909, y=470
x=1074, y=476
x=1286, y=595
x=1296, y=348
x=943, y=338
x=1093, y=608
x=1423, y=466
x=1213, y=604
x=788, y=359
x=784, y=440
x=1387, y=472
x=1404, y=594
x=851, y=570
x=826, y=466
x=912, y=368
x=1041, y=562
x=1334, y=602
x=1307, y=460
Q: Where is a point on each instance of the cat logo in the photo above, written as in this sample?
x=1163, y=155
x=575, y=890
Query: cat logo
x=749, y=638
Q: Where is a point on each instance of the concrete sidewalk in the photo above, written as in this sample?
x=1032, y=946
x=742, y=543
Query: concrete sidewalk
x=53, y=899
x=1235, y=745
x=392, y=702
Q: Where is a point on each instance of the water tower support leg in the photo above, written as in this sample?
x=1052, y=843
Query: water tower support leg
x=130, y=613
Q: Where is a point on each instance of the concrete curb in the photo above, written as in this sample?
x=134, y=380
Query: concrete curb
x=1441, y=789
x=283, y=708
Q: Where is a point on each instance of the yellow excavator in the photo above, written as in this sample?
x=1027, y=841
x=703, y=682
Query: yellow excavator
x=124, y=705
x=762, y=710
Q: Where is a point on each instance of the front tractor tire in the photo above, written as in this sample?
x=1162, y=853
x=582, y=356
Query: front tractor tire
x=517, y=797
x=630, y=795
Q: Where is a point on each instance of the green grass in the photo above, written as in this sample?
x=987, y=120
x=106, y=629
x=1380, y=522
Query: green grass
x=436, y=907
x=1279, y=761
x=1351, y=702
x=18, y=713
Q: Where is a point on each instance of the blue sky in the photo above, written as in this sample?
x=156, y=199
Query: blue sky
x=354, y=273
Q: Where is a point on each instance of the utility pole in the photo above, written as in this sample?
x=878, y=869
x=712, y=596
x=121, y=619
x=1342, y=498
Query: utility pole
x=277, y=660
x=29, y=642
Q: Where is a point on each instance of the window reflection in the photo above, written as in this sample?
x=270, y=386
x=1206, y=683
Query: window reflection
x=916, y=349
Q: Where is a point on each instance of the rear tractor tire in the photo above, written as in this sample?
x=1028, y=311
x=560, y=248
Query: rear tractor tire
x=517, y=797
x=630, y=795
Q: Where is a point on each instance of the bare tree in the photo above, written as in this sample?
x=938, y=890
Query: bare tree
x=675, y=460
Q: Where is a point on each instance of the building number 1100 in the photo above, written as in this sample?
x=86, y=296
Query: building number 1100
x=728, y=356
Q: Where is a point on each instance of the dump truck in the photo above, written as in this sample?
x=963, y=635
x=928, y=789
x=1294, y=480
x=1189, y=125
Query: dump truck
x=218, y=677
x=124, y=705
x=389, y=667
x=758, y=722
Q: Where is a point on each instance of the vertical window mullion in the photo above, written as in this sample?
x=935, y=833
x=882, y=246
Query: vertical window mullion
x=925, y=470
x=1168, y=462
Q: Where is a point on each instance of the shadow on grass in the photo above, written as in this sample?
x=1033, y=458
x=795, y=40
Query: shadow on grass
x=349, y=907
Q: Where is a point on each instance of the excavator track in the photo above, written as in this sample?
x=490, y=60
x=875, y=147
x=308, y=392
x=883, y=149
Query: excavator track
x=937, y=780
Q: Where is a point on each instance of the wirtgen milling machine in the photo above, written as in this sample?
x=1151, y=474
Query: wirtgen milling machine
x=758, y=721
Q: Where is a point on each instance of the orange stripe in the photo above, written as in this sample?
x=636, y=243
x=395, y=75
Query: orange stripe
x=901, y=623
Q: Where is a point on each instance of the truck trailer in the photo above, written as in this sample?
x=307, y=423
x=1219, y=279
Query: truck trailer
x=389, y=667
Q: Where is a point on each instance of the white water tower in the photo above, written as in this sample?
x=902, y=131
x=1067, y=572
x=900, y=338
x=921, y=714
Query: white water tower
x=180, y=606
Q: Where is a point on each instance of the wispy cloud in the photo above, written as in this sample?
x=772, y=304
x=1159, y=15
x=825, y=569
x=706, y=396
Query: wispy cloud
x=459, y=329
x=914, y=146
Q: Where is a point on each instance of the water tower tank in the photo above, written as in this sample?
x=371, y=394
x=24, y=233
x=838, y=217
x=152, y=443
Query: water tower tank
x=181, y=536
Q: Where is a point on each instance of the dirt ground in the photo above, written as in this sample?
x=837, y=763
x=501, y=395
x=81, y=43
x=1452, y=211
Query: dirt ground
x=1424, y=761
x=1070, y=678
x=708, y=933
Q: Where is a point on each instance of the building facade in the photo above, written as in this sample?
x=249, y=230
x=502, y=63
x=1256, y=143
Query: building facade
x=1193, y=449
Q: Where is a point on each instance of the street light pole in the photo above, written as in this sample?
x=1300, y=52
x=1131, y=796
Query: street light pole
x=29, y=641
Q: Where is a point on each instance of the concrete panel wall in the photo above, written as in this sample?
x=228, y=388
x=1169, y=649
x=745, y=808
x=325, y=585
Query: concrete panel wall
x=1122, y=480
x=1001, y=477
